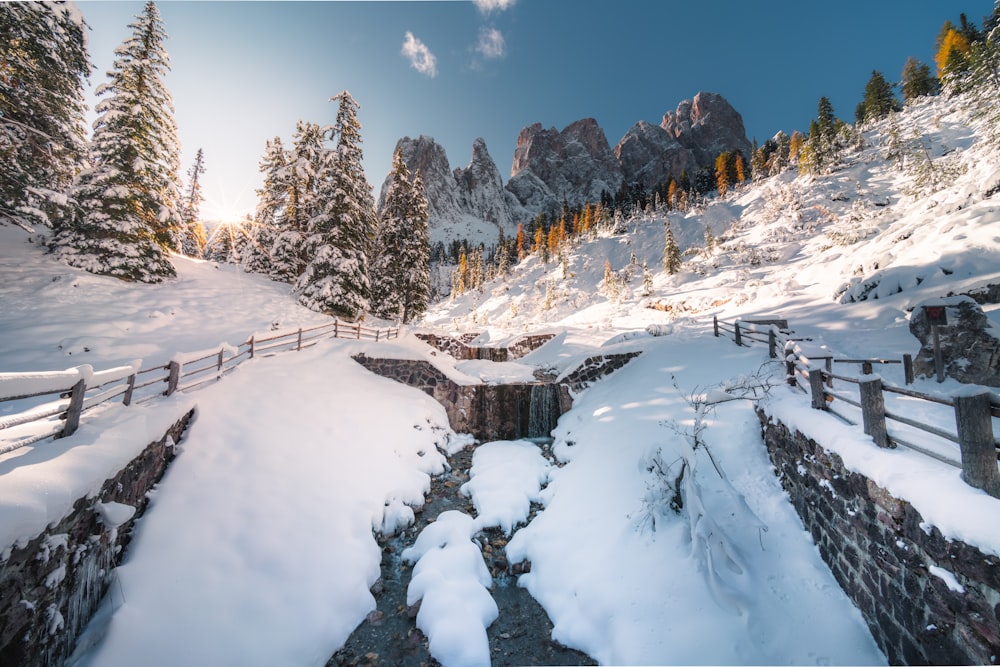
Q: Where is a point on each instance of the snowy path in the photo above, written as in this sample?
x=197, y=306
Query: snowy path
x=258, y=547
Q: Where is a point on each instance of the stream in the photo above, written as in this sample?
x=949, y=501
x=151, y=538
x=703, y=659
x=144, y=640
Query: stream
x=521, y=635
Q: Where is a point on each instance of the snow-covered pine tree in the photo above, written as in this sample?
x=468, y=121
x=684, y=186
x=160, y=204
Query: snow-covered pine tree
x=400, y=272
x=192, y=232
x=392, y=221
x=671, y=253
x=262, y=253
x=129, y=196
x=340, y=235
x=43, y=52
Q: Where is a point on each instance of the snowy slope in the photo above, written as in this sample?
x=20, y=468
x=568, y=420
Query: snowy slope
x=258, y=549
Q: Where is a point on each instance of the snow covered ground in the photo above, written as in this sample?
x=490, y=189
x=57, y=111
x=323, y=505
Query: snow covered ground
x=257, y=548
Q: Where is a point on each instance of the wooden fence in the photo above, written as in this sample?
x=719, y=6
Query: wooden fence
x=62, y=397
x=810, y=369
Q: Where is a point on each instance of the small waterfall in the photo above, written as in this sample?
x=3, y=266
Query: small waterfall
x=543, y=410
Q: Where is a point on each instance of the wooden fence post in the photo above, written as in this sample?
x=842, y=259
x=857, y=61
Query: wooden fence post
x=298, y=345
x=975, y=438
x=128, y=391
x=866, y=368
x=816, y=387
x=829, y=370
x=75, y=408
x=790, y=370
x=908, y=368
x=253, y=347
x=173, y=377
x=715, y=325
x=336, y=328
x=377, y=332
x=772, y=343
x=218, y=365
x=739, y=337
x=873, y=411
x=358, y=325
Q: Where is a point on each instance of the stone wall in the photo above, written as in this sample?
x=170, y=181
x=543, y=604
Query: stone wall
x=488, y=412
x=881, y=552
x=459, y=347
x=51, y=586
x=595, y=368
x=497, y=412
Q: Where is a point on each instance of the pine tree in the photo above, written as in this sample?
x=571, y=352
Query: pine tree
x=43, y=67
x=400, y=273
x=300, y=230
x=336, y=280
x=671, y=253
x=192, y=232
x=879, y=100
x=917, y=80
x=129, y=197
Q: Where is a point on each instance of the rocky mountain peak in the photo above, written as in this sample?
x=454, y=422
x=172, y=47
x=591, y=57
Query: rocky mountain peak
x=707, y=125
x=575, y=164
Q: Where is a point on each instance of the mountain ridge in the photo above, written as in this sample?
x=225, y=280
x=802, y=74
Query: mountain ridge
x=575, y=165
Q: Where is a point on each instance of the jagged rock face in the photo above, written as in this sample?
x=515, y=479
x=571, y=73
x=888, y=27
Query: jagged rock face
x=708, y=125
x=481, y=193
x=650, y=155
x=425, y=155
x=576, y=164
x=464, y=203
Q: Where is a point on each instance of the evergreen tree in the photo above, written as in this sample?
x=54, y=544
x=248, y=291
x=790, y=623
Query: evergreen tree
x=917, y=80
x=820, y=151
x=400, y=274
x=671, y=253
x=129, y=197
x=879, y=100
x=336, y=280
x=276, y=244
x=43, y=67
x=192, y=241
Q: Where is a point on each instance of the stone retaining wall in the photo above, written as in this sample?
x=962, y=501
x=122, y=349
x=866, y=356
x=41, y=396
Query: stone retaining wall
x=881, y=552
x=459, y=347
x=51, y=586
x=496, y=412
x=595, y=368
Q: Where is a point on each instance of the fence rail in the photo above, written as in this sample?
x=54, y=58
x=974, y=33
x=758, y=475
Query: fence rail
x=811, y=371
x=80, y=389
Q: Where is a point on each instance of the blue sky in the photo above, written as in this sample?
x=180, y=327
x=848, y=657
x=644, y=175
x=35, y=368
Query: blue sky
x=243, y=72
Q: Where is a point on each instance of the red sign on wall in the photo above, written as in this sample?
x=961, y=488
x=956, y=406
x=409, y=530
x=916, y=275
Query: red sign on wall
x=936, y=315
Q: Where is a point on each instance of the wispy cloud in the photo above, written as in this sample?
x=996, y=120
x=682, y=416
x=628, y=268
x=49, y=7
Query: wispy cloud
x=487, y=6
x=420, y=57
x=491, y=44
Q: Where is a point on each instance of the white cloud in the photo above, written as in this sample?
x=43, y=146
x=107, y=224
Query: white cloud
x=491, y=44
x=486, y=6
x=420, y=57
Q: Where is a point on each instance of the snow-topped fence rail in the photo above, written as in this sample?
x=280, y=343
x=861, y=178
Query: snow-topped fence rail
x=59, y=398
x=916, y=418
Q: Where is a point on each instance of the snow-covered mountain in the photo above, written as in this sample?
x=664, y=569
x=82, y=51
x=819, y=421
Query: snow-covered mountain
x=574, y=165
x=465, y=203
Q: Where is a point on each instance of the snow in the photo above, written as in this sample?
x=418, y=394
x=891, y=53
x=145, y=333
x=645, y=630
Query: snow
x=450, y=580
x=506, y=478
x=258, y=546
